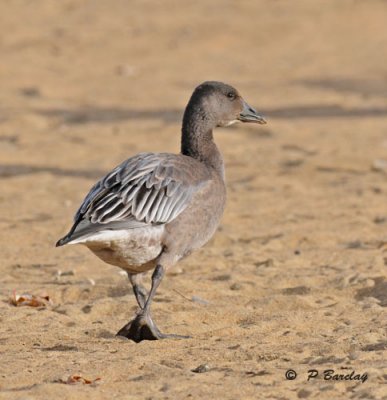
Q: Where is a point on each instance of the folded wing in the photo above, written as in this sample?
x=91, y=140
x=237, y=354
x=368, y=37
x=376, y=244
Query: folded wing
x=144, y=190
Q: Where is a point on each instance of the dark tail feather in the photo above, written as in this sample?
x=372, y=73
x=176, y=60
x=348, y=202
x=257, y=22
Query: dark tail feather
x=85, y=227
x=63, y=241
x=69, y=237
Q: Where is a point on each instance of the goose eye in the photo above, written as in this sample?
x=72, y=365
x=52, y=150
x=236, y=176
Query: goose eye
x=231, y=95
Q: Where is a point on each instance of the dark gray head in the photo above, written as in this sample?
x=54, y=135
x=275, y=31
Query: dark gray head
x=212, y=104
x=221, y=104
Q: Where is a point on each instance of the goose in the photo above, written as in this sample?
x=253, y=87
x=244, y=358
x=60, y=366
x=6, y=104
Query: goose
x=155, y=209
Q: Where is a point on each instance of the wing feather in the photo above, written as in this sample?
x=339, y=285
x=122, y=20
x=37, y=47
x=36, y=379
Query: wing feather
x=160, y=210
x=172, y=188
x=145, y=189
x=146, y=207
x=151, y=216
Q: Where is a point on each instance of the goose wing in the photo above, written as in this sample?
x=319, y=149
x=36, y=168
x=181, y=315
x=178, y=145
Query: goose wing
x=145, y=189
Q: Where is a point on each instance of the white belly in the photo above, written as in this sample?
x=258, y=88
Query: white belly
x=134, y=250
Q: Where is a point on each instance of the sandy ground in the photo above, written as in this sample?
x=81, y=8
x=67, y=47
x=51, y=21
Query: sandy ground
x=295, y=278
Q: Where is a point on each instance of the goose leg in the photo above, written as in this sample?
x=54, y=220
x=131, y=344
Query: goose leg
x=142, y=326
x=138, y=289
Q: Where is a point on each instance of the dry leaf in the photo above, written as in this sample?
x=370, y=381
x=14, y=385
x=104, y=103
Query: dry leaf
x=30, y=300
x=74, y=379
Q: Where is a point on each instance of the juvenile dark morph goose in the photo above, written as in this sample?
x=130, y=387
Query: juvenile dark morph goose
x=156, y=208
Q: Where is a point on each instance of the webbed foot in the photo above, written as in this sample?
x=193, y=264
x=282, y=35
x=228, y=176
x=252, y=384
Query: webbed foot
x=142, y=327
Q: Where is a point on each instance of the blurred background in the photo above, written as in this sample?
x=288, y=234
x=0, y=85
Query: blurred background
x=85, y=84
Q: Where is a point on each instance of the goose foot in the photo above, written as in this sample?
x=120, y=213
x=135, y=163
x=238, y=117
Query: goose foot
x=142, y=327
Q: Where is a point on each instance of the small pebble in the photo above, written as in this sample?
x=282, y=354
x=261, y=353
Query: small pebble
x=201, y=369
x=86, y=309
x=60, y=273
x=303, y=394
x=30, y=91
x=353, y=355
x=380, y=220
x=265, y=263
x=236, y=286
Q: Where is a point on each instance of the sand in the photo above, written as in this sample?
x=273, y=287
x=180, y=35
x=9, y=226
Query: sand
x=295, y=277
